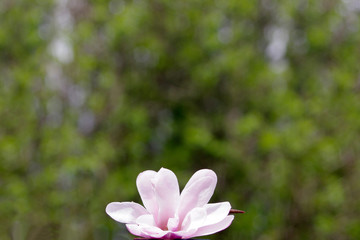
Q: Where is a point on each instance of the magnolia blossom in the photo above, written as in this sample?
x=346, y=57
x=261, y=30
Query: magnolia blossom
x=169, y=214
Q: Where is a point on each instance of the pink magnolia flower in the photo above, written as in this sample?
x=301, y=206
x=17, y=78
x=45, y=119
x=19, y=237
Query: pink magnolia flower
x=169, y=214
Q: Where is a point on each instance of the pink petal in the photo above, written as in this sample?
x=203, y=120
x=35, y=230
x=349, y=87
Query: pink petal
x=146, y=190
x=200, y=174
x=146, y=219
x=135, y=230
x=173, y=224
x=146, y=231
x=196, y=195
x=216, y=212
x=125, y=212
x=167, y=195
x=185, y=234
x=193, y=220
x=214, y=228
x=172, y=235
x=152, y=231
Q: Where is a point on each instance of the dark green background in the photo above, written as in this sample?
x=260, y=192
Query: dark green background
x=266, y=93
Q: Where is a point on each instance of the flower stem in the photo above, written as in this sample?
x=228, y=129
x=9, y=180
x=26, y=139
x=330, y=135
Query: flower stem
x=236, y=211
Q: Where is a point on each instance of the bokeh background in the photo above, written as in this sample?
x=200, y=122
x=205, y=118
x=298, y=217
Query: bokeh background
x=266, y=93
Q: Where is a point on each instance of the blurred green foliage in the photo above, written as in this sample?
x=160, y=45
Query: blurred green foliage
x=266, y=93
